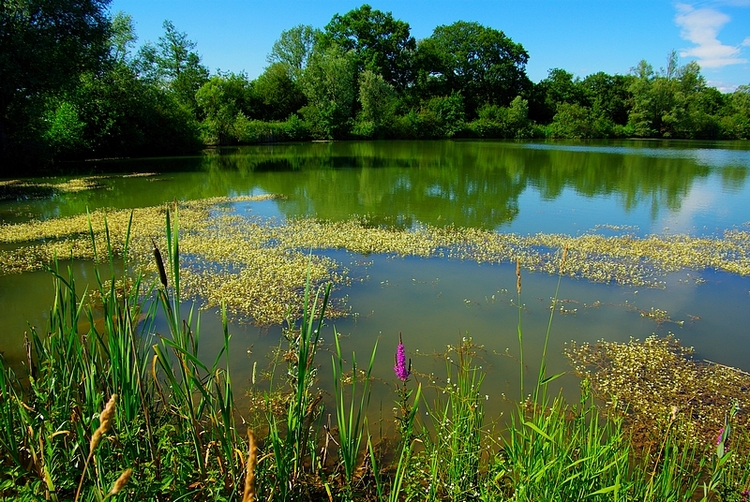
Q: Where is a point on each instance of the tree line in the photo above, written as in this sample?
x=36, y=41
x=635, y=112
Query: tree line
x=73, y=85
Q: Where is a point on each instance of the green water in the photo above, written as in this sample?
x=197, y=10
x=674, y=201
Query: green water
x=572, y=188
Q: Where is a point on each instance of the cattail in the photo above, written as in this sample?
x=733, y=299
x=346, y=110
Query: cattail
x=105, y=419
x=121, y=481
x=249, y=493
x=159, y=264
x=518, y=275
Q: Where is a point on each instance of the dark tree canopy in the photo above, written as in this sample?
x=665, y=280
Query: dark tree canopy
x=44, y=46
x=382, y=44
x=481, y=63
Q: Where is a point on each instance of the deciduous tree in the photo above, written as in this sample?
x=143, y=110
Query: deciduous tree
x=382, y=44
x=481, y=63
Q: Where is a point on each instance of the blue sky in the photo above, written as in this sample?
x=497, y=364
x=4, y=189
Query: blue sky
x=580, y=36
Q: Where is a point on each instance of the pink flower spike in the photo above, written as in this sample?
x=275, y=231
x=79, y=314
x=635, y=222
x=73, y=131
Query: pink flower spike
x=401, y=369
x=720, y=438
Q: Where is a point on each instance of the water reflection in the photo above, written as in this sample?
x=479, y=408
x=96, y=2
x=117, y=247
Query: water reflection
x=463, y=183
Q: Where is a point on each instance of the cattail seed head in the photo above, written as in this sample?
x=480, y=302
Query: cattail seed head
x=518, y=275
x=121, y=481
x=249, y=492
x=160, y=265
x=105, y=420
x=564, y=258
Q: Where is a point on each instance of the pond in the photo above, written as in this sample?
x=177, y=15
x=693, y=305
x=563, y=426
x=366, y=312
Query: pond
x=634, y=189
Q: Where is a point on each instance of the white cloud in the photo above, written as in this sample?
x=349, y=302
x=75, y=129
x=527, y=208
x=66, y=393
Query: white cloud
x=701, y=27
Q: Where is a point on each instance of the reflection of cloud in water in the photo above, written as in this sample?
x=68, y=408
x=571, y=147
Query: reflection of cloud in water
x=720, y=158
x=701, y=199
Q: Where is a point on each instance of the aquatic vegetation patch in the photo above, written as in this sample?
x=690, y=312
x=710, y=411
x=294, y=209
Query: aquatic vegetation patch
x=257, y=265
x=26, y=189
x=655, y=384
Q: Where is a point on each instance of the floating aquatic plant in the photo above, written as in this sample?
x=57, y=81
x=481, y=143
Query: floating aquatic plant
x=258, y=265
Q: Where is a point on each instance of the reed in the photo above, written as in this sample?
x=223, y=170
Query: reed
x=350, y=419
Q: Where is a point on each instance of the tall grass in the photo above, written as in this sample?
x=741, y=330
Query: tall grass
x=350, y=420
x=54, y=441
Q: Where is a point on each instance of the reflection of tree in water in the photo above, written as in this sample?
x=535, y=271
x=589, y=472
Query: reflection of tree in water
x=433, y=183
x=633, y=178
x=475, y=184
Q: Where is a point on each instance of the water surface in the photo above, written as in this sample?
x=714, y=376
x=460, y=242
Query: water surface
x=695, y=188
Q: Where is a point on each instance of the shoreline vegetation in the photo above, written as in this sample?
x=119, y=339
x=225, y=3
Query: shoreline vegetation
x=91, y=92
x=126, y=409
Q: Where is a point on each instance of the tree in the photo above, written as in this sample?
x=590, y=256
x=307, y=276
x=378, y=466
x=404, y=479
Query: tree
x=221, y=100
x=174, y=64
x=44, y=46
x=121, y=37
x=381, y=43
x=278, y=94
x=329, y=83
x=293, y=49
x=378, y=100
x=608, y=96
x=736, y=122
x=674, y=103
x=503, y=122
x=481, y=63
x=559, y=87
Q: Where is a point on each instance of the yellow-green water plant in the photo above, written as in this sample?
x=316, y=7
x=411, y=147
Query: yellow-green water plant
x=350, y=419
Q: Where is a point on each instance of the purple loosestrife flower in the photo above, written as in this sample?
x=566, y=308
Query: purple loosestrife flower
x=720, y=438
x=401, y=369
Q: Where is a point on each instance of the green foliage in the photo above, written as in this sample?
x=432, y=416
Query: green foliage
x=329, y=83
x=221, y=101
x=573, y=121
x=258, y=131
x=736, y=123
x=279, y=95
x=352, y=421
x=438, y=117
x=381, y=44
x=676, y=103
x=65, y=129
x=503, y=122
x=455, y=451
x=173, y=64
x=293, y=49
x=45, y=45
x=70, y=88
x=379, y=101
x=480, y=63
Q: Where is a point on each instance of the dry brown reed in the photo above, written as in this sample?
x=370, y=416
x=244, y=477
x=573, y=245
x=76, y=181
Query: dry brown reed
x=249, y=492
